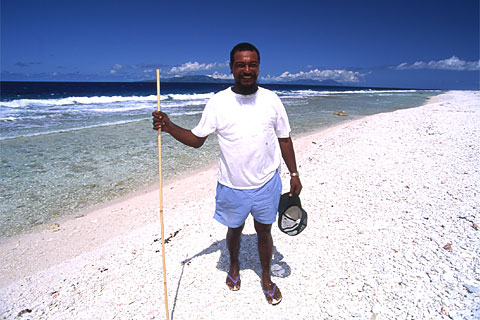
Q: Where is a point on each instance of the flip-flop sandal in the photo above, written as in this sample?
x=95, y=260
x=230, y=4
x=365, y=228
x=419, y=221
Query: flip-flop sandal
x=236, y=286
x=272, y=295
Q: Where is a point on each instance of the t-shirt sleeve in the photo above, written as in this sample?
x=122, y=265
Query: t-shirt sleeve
x=282, y=127
x=208, y=123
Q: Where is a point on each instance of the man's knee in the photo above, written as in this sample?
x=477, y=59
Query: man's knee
x=261, y=228
x=235, y=231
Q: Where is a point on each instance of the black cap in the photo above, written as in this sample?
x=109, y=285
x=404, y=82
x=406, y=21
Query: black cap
x=292, y=219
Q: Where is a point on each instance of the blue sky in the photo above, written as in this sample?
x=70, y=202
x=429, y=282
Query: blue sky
x=416, y=44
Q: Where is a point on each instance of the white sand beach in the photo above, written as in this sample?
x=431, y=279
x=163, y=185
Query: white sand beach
x=393, y=233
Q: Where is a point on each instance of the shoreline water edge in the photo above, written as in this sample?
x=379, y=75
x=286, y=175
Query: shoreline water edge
x=393, y=234
x=67, y=148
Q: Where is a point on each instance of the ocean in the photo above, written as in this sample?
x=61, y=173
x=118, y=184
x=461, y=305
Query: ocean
x=68, y=146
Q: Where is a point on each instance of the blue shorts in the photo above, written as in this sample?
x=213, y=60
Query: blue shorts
x=234, y=205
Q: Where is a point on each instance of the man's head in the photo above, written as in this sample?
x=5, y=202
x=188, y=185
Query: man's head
x=244, y=65
x=244, y=46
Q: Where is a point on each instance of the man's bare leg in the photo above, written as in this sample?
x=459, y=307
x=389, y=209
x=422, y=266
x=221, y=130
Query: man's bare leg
x=265, y=251
x=234, y=236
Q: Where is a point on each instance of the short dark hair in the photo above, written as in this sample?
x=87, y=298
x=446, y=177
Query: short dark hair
x=244, y=46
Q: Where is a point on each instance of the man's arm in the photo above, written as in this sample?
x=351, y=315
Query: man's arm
x=161, y=121
x=288, y=154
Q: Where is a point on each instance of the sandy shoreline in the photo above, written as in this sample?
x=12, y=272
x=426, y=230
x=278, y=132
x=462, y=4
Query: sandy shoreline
x=71, y=236
x=385, y=195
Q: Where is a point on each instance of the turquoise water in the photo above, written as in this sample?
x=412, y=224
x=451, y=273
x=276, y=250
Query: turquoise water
x=46, y=176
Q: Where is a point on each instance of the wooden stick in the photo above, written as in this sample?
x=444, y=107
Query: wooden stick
x=161, y=197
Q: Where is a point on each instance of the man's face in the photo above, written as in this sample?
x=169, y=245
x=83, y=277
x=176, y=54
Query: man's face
x=245, y=69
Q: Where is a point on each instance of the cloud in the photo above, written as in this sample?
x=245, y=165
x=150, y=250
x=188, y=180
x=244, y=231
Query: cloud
x=191, y=67
x=453, y=63
x=145, y=71
x=138, y=67
x=47, y=76
x=222, y=76
x=134, y=72
x=316, y=74
x=118, y=66
x=115, y=72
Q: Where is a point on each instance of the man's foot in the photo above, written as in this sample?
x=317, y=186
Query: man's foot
x=233, y=283
x=234, y=236
x=273, y=296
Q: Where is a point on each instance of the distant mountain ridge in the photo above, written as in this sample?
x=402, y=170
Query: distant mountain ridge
x=208, y=79
x=198, y=78
x=311, y=82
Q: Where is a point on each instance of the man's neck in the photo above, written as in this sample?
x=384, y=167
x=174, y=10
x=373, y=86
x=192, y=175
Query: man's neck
x=245, y=90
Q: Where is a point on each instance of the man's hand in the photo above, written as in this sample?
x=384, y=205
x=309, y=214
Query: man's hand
x=295, y=186
x=161, y=121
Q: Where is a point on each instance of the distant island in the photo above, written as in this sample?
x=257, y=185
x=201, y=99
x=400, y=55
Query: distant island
x=208, y=79
x=195, y=79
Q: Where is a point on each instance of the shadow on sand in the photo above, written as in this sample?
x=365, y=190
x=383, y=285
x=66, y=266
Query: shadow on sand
x=248, y=250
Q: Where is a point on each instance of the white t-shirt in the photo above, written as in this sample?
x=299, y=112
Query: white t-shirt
x=248, y=128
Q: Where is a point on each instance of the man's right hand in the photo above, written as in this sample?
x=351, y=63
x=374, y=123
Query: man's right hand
x=160, y=121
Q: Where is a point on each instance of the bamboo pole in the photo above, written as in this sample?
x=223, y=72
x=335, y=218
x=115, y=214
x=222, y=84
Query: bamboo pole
x=161, y=198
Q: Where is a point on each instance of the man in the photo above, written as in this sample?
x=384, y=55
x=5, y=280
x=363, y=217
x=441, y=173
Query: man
x=253, y=134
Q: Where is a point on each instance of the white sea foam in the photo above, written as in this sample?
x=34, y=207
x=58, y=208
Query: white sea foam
x=190, y=113
x=22, y=103
x=107, y=124
x=43, y=116
x=315, y=93
x=171, y=99
x=28, y=118
x=171, y=104
x=8, y=119
x=121, y=109
x=194, y=96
